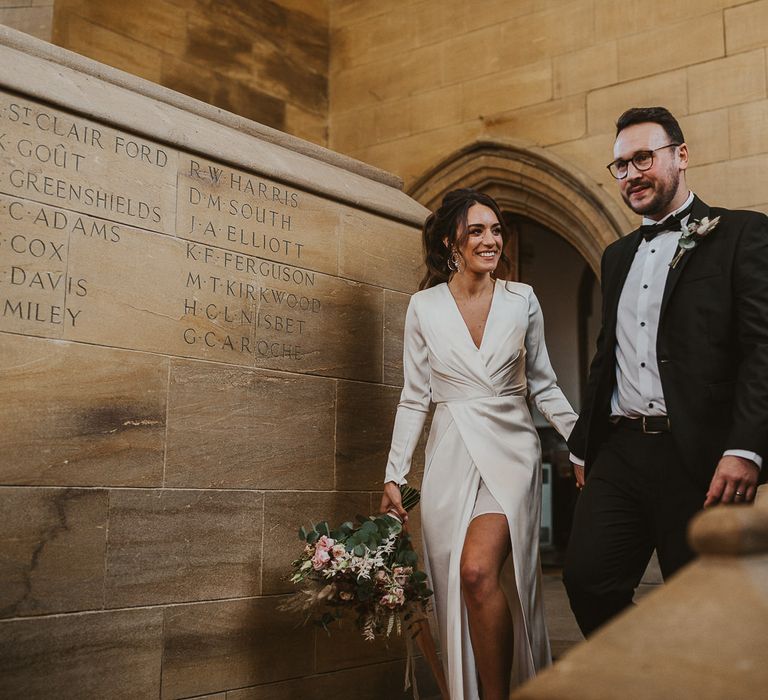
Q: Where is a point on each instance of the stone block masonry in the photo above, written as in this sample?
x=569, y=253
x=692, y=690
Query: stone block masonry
x=199, y=351
x=552, y=74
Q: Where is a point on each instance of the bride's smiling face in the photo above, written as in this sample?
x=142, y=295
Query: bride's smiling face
x=482, y=246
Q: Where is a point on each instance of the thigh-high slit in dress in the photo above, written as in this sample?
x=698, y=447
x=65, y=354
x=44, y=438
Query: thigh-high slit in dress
x=483, y=455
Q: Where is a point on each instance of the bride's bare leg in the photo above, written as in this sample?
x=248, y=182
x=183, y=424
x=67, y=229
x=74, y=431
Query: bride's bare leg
x=486, y=547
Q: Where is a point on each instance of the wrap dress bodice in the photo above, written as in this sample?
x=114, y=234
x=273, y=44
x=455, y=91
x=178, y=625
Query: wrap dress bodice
x=481, y=430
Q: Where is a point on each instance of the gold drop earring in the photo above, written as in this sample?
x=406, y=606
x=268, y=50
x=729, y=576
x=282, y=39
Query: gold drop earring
x=454, y=261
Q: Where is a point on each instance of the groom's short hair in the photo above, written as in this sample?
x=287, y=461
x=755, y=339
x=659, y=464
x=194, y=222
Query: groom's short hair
x=657, y=115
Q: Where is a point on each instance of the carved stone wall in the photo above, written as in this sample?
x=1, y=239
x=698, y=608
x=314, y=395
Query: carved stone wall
x=410, y=86
x=265, y=60
x=200, y=338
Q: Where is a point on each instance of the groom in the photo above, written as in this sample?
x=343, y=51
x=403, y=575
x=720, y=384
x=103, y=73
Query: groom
x=675, y=415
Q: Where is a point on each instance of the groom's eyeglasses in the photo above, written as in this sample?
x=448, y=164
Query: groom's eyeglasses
x=642, y=160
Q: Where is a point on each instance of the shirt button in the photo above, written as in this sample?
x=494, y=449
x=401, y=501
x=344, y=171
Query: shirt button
x=642, y=323
x=654, y=250
x=642, y=364
x=650, y=405
x=645, y=286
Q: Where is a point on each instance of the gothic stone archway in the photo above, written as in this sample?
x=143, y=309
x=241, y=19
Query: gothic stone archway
x=530, y=181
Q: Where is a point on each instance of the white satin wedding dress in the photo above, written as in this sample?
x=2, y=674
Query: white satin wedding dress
x=482, y=429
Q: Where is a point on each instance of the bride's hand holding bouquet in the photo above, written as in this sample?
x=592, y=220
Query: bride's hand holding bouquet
x=368, y=568
x=392, y=501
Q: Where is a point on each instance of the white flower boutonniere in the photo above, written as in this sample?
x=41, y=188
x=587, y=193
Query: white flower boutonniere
x=692, y=235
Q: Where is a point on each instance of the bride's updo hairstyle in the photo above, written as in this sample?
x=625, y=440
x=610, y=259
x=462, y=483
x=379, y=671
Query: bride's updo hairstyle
x=447, y=228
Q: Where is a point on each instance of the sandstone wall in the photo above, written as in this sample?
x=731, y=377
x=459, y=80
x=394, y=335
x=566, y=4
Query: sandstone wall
x=200, y=342
x=33, y=17
x=412, y=84
x=266, y=60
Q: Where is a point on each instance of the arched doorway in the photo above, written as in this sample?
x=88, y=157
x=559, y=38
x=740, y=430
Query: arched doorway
x=529, y=181
x=561, y=222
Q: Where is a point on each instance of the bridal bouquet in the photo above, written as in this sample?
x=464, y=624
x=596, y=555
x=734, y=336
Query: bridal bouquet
x=368, y=568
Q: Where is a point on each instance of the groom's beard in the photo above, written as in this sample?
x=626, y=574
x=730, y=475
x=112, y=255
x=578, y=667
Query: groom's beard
x=665, y=189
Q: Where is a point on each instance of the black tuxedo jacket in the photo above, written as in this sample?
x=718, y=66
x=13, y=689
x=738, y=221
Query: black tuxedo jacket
x=712, y=344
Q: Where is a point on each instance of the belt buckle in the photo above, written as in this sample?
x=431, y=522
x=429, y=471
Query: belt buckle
x=650, y=432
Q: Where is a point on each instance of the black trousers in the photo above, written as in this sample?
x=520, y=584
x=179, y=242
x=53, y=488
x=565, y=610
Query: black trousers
x=637, y=498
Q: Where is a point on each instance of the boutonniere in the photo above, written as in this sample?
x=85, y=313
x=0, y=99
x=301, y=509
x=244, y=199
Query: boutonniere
x=692, y=234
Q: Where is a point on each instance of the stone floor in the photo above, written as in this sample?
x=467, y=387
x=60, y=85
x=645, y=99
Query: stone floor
x=563, y=631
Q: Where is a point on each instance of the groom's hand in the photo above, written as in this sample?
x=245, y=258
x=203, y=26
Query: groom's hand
x=735, y=481
x=578, y=472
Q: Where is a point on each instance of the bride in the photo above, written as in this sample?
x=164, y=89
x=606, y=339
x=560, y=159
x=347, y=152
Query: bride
x=474, y=345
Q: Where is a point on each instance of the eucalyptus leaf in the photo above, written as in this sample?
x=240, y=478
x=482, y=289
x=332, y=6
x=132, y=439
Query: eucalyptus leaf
x=410, y=496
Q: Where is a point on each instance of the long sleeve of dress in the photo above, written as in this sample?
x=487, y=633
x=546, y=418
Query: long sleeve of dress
x=414, y=400
x=542, y=382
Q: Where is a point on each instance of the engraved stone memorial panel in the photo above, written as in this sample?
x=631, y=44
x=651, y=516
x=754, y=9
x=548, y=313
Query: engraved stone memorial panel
x=237, y=210
x=34, y=273
x=199, y=323
x=53, y=157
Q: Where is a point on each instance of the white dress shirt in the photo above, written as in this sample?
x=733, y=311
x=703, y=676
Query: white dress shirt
x=638, y=391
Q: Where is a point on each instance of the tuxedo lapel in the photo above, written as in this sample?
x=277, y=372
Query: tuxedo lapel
x=698, y=212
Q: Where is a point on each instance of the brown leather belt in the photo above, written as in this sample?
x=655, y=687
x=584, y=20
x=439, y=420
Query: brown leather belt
x=645, y=424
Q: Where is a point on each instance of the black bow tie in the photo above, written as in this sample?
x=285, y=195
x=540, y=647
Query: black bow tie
x=650, y=231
